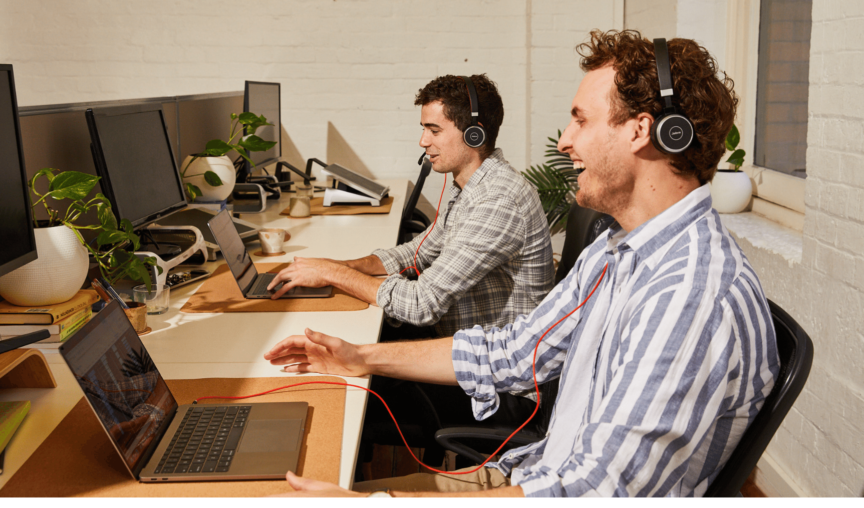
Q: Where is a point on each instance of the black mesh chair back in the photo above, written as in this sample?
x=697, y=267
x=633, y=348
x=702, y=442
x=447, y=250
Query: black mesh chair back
x=414, y=221
x=583, y=227
x=796, y=356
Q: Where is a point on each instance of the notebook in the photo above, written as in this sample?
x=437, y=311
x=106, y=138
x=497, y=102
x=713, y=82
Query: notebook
x=160, y=441
x=252, y=284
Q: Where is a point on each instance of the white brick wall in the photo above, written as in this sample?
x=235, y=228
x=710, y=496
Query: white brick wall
x=354, y=63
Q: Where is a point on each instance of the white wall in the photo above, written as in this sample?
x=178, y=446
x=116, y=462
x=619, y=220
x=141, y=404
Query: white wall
x=355, y=64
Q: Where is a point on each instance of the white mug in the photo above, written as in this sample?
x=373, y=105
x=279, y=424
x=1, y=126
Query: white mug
x=271, y=240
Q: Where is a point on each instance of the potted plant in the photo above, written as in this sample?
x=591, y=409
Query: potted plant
x=62, y=265
x=731, y=188
x=555, y=182
x=210, y=174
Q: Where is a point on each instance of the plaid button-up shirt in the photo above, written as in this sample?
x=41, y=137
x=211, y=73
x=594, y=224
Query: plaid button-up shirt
x=488, y=259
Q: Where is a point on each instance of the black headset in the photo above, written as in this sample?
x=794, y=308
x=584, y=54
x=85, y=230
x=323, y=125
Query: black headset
x=474, y=135
x=672, y=132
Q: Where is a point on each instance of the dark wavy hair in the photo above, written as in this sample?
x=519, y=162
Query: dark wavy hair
x=452, y=92
x=700, y=94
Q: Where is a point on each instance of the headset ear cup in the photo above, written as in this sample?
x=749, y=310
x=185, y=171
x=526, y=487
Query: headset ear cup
x=672, y=133
x=474, y=136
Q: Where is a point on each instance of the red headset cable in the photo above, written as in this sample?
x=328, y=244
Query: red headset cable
x=417, y=270
x=533, y=372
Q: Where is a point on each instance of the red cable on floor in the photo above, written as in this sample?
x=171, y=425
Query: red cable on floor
x=533, y=371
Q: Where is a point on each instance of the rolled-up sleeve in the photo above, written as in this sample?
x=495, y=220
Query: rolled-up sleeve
x=488, y=233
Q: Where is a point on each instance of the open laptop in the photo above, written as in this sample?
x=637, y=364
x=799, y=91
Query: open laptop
x=160, y=441
x=252, y=284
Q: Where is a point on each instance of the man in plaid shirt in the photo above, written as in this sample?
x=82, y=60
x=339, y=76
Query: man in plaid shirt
x=489, y=257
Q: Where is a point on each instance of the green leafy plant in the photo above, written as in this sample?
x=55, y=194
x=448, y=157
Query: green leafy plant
x=737, y=157
x=555, y=181
x=113, y=238
x=250, y=122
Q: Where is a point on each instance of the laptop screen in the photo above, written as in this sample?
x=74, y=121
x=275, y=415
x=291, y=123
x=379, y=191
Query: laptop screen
x=235, y=252
x=121, y=383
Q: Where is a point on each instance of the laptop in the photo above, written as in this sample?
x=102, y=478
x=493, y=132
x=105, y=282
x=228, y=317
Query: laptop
x=252, y=284
x=160, y=441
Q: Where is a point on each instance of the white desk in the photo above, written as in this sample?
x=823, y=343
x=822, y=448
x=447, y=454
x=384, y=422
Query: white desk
x=233, y=345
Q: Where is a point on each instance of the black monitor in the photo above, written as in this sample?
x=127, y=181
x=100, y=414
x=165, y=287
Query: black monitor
x=264, y=99
x=16, y=219
x=133, y=155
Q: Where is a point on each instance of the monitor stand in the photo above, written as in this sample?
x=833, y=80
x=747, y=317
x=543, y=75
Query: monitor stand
x=186, y=256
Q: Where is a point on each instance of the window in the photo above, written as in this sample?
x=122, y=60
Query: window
x=782, y=82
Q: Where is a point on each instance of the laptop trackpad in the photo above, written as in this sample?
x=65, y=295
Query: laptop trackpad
x=271, y=436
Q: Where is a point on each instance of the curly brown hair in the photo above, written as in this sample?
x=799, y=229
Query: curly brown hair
x=452, y=92
x=708, y=101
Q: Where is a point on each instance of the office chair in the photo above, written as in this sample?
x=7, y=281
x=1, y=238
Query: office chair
x=583, y=227
x=796, y=356
x=414, y=221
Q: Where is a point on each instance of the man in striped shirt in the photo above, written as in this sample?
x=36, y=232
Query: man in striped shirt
x=673, y=352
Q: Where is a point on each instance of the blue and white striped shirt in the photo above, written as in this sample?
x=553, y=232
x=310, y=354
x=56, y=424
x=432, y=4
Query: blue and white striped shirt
x=661, y=370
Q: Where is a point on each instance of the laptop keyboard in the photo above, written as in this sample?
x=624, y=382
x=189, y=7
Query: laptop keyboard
x=206, y=440
x=260, y=287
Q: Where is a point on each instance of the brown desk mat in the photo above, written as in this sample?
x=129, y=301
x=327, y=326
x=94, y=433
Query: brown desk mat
x=220, y=293
x=316, y=207
x=78, y=459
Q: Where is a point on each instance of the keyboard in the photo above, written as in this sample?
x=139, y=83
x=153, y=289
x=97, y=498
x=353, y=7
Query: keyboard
x=206, y=440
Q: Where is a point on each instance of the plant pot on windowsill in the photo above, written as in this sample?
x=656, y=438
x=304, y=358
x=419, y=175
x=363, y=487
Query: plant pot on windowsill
x=55, y=276
x=731, y=191
x=221, y=166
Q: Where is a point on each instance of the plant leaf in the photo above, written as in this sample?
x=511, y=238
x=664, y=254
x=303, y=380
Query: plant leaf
x=217, y=148
x=212, y=179
x=737, y=158
x=110, y=237
x=72, y=185
x=192, y=191
x=733, y=138
x=106, y=216
x=254, y=143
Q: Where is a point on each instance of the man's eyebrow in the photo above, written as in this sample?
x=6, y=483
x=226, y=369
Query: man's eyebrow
x=430, y=125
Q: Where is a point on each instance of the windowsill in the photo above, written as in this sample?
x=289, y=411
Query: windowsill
x=766, y=234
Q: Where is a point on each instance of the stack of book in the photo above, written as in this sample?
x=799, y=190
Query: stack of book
x=61, y=320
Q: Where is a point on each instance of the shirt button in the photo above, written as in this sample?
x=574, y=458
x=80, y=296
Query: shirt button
x=510, y=457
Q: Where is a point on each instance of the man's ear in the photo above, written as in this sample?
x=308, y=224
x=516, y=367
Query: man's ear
x=641, y=132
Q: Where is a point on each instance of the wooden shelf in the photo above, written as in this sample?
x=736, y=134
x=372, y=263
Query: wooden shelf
x=25, y=368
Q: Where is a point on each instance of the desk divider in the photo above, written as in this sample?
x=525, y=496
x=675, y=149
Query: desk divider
x=77, y=459
x=220, y=293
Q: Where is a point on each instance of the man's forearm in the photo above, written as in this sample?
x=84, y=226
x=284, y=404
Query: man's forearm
x=428, y=361
x=512, y=491
x=355, y=283
x=370, y=265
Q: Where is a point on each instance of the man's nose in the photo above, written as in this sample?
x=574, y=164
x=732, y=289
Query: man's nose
x=565, y=142
x=424, y=141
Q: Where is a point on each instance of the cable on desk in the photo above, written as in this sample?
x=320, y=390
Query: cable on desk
x=533, y=371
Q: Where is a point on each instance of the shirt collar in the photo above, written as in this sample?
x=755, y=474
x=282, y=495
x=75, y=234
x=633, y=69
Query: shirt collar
x=495, y=159
x=656, y=232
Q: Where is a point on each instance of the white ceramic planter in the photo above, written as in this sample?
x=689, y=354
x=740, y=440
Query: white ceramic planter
x=57, y=274
x=222, y=166
x=731, y=191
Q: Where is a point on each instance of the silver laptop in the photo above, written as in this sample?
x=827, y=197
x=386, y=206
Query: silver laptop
x=252, y=284
x=160, y=441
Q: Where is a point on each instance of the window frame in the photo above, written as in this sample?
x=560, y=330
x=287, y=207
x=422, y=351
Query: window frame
x=776, y=195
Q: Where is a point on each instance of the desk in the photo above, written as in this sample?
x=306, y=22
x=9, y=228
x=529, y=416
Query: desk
x=232, y=345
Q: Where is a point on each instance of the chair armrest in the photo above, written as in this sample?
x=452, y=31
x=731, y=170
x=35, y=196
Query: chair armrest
x=449, y=439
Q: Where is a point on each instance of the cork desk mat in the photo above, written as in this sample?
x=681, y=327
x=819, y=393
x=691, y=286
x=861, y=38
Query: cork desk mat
x=77, y=458
x=220, y=293
x=316, y=207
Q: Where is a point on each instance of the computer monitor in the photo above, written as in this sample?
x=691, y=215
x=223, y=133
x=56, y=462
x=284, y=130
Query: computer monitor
x=264, y=99
x=133, y=155
x=16, y=219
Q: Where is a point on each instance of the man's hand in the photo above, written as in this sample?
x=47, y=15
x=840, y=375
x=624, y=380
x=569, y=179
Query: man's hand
x=305, y=272
x=304, y=487
x=316, y=352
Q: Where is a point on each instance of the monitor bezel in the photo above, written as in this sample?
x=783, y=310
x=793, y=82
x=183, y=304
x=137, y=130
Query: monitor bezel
x=32, y=255
x=101, y=169
x=247, y=166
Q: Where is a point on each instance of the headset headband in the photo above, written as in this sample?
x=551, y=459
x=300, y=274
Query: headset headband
x=664, y=71
x=472, y=99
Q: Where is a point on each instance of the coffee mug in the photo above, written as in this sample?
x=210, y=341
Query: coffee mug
x=271, y=240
